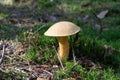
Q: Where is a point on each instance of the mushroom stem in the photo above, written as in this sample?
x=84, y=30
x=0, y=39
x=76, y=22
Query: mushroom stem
x=63, y=50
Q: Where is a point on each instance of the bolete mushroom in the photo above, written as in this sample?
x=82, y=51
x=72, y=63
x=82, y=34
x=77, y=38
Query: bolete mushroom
x=62, y=30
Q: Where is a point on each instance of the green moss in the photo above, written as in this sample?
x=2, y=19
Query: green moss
x=3, y=15
x=81, y=73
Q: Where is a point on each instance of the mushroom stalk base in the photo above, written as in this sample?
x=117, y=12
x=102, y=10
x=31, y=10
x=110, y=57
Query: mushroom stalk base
x=63, y=50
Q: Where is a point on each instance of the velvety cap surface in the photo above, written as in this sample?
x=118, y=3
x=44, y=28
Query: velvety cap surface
x=63, y=28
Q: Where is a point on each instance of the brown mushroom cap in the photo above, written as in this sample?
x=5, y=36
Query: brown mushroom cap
x=63, y=28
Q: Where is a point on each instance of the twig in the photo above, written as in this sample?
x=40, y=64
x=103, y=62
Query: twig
x=74, y=58
x=3, y=52
x=17, y=69
x=48, y=72
x=59, y=59
x=39, y=28
x=73, y=52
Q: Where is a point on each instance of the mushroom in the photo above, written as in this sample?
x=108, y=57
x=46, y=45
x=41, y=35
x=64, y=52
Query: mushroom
x=62, y=30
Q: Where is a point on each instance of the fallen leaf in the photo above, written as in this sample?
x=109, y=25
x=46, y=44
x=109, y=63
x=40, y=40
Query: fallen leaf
x=97, y=26
x=102, y=14
x=47, y=17
x=40, y=78
x=52, y=18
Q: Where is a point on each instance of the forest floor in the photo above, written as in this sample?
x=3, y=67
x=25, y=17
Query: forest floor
x=26, y=54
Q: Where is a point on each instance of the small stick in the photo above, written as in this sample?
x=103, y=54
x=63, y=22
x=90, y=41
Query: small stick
x=17, y=69
x=3, y=52
x=48, y=72
x=39, y=28
x=59, y=59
